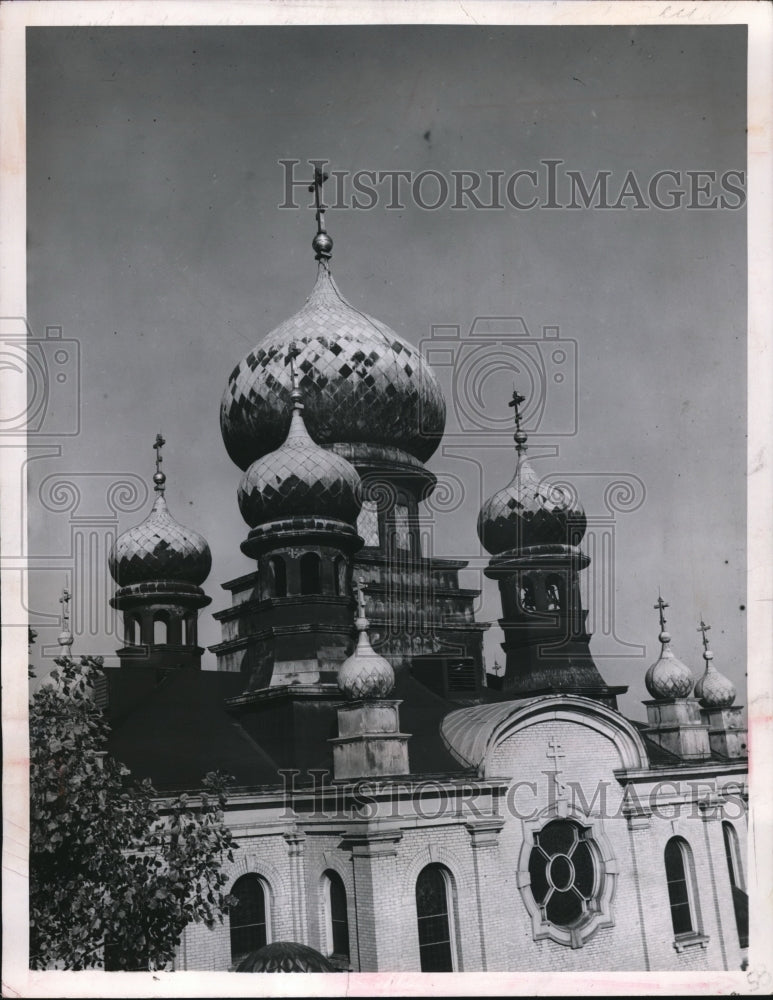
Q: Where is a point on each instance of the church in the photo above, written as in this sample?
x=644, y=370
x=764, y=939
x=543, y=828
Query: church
x=398, y=805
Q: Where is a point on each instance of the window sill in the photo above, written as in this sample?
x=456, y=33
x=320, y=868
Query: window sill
x=684, y=941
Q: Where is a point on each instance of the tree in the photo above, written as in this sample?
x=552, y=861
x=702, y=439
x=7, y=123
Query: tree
x=115, y=872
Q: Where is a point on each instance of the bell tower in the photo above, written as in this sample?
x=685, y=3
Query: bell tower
x=533, y=531
x=159, y=567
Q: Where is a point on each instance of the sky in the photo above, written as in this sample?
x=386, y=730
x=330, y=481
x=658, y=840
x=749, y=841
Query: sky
x=156, y=242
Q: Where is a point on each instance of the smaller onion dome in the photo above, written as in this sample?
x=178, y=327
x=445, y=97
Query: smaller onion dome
x=300, y=478
x=713, y=689
x=284, y=956
x=160, y=548
x=668, y=677
x=529, y=511
x=365, y=674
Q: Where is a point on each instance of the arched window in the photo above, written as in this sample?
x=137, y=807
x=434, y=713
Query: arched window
x=336, y=915
x=735, y=873
x=434, y=919
x=249, y=927
x=277, y=576
x=339, y=576
x=367, y=524
x=160, y=628
x=310, y=573
x=130, y=630
x=681, y=887
x=553, y=591
x=526, y=595
x=190, y=630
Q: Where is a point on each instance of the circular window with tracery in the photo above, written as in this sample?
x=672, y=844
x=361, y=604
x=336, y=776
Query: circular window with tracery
x=566, y=884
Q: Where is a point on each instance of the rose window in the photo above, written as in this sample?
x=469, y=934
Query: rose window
x=564, y=873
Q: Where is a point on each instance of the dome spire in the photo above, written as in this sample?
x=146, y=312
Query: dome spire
x=65, y=638
x=159, y=479
x=365, y=674
x=713, y=689
x=322, y=244
x=668, y=677
x=520, y=436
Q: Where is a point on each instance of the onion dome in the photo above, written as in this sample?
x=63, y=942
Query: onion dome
x=713, y=689
x=362, y=384
x=365, y=674
x=160, y=548
x=299, y=478
x=284, y=956
x=668, y=677
x=528, y=511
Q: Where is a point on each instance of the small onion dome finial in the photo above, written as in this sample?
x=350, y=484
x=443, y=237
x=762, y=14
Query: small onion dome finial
x=159, y=479
x=365, y=674
x=65, y=637
x=713, y=689
x=668, y=677
x=322, y=244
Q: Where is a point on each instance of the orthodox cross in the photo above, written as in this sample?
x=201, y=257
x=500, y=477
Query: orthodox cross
x=704, y=628
x=515, y=402
x=322, y=243
x=660, y=608
x=497, y=668
x=555, y=753
x=64, y=600
x=159, y=478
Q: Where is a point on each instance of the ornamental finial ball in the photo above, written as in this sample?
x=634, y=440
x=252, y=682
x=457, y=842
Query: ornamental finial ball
x=322, y=244
x=159, y=479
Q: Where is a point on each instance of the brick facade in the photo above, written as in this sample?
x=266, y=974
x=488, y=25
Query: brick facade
x=572, y=764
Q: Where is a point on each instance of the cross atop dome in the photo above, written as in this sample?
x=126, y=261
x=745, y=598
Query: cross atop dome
x=660, y=606
x=519, y=436
x=159, y=479
x=322, y=244
x=704, y=628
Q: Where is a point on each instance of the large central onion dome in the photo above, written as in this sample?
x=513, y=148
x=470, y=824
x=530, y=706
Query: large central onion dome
x=299, y=479
x=528, y=511
x=361, y=382
x=160, y=549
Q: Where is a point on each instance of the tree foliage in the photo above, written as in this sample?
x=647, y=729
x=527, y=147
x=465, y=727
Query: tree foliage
x=115, y=872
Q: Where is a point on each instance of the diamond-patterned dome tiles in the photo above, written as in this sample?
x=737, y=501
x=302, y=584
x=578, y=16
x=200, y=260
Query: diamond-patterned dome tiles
x=361, y=383
x=668, y=677
x=714, y=690
x=160, y=549
x=530, y=512
x=365, y=674
x=299, y=479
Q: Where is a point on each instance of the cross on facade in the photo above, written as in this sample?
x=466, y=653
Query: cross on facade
x=554, y=752
x=497, y=668
x=660, y=608
x=704, y=628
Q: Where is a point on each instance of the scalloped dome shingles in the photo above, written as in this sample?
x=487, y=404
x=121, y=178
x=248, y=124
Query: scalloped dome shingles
x=361, y=383
x=529, y=512
x=160, y=549
x=299, y=479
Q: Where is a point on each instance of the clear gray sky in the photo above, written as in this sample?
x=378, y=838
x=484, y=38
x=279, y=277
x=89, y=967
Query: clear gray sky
x=156, y=241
